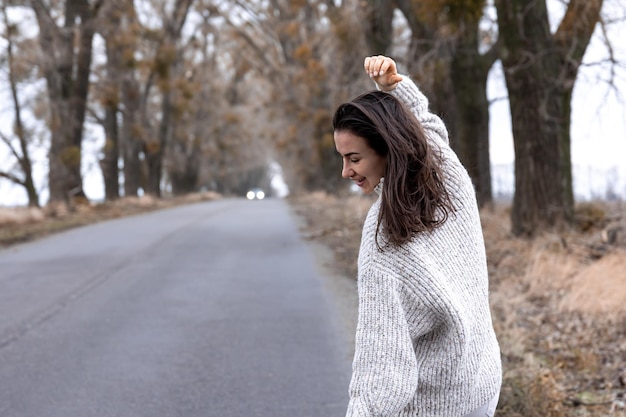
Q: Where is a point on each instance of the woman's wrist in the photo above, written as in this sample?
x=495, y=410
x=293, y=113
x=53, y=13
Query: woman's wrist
x=388, y=88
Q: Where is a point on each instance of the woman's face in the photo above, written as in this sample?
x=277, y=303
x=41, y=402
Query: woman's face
x=360, y=162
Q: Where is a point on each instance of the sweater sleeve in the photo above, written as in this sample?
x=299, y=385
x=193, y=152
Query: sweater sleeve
x=407, y=92
x=385, y=369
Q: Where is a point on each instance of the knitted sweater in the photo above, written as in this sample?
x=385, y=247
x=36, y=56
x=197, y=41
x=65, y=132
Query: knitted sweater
x=425, y=344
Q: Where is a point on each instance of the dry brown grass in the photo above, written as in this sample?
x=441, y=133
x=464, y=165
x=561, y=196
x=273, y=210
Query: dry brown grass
x=558, y=302
x=599, y=287
x=562, y=330
x=20, y=215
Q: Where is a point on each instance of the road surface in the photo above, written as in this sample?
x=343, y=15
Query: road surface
x=211, y=309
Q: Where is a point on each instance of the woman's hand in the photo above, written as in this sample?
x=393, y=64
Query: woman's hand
x=383, y=71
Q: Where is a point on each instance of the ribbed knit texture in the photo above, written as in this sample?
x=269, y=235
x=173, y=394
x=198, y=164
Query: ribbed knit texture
x=425, y=344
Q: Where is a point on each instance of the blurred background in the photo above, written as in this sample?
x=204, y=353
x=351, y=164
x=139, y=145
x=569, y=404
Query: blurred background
x=125, y=98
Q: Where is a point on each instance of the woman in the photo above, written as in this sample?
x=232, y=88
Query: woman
x=425, y=344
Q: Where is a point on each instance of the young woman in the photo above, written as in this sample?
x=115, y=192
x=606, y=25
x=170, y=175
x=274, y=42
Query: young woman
x=425, y=344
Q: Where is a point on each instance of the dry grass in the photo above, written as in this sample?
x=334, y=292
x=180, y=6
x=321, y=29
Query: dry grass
x=558, y=302
x=600, y=287
x=20, y=215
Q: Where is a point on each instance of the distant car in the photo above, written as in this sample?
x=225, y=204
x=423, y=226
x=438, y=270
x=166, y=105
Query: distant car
x=255, y=194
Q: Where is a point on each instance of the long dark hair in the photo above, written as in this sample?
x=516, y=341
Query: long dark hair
x=414, y=196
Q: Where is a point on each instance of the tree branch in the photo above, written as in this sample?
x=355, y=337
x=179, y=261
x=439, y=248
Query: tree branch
x=577, y=26
x=12, y=178
x=10, y=145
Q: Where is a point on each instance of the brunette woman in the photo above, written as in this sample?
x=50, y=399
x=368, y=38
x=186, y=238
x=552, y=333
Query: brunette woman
x=425, y=344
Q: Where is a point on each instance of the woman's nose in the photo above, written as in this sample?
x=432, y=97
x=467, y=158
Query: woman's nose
x=346, y=172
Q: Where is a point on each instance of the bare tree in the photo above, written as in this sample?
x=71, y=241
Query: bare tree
x=540, y=70
x=66, y=61
x=21, y=133
x=140, y=82
x=215, y=139
x=105, y=93
x=166, y=63
x=451, y=60
x=133, y=131
x=291, y=51
x=474, y=55
x=118, y=94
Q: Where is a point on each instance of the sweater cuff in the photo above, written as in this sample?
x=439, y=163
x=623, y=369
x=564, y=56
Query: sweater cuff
x=407, y=92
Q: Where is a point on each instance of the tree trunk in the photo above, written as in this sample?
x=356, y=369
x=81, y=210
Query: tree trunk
x=132, y=132
x=132, y=135
x=80, y=92
x=540, y=70
x=531, y=72
x=184, y=182
x=62, y=157
x=429, y=61
x=378, y=26
x=154, y=150
x=453, y=74
x=108, y=164
x=184, y=175
x=572, y=39
x=165, y=70
x=111, y=150
x=469, y=71
x=19, y=128
x=68, y=84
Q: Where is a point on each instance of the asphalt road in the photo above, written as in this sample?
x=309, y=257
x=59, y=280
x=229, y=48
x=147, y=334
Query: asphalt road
x=212, y=309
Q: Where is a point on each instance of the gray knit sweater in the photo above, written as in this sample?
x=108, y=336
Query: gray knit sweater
x=425, y=344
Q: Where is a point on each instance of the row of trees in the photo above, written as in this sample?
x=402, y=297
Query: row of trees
x=206, y=93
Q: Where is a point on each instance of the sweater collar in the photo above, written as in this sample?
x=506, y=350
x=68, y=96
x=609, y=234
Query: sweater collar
x=379, y=187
